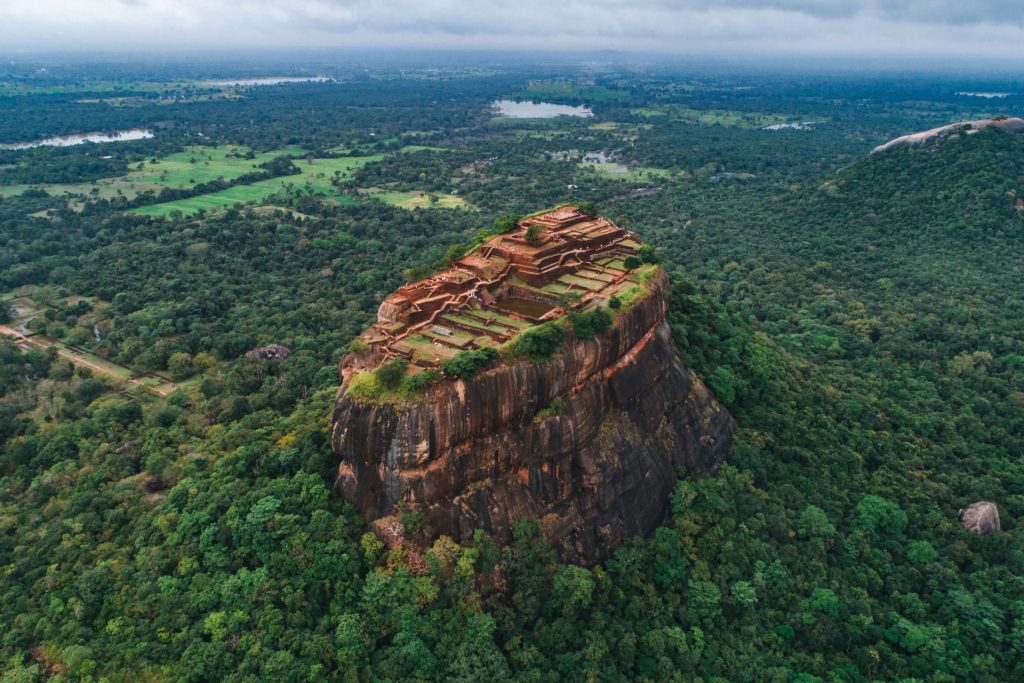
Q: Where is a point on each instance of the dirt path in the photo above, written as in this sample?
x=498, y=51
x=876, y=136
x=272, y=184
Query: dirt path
x=75, y=358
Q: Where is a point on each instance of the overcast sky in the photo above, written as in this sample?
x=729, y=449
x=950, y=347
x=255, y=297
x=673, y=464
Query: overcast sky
x=921, y=28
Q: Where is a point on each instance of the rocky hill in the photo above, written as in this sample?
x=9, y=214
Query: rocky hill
x=951, y=132
x=588, y=439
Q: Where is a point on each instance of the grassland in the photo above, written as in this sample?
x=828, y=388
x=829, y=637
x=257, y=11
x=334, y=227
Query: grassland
x=197, y=165
x=566, y=89
x=12, y=88
x=422, y=148
x=412, y=200
x=106, y=188
x=540, y=134
x=315, y=176
x=192, y=166
x=634, y=174
x=713, y=117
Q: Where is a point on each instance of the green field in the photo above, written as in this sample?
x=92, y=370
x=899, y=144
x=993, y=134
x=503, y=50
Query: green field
x=214, y=201
x=632, y=174
x=197, y=165
x=539, y=134
x=12, y=88
x=563, y=88
x=315, y=176
x=182, y=170
x=98, y=362
x=412, y=200
x=422, y=148
x=106, y=188
x=712, y=117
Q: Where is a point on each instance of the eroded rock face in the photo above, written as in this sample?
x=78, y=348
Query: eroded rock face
x=980, y=518
x=475, y=455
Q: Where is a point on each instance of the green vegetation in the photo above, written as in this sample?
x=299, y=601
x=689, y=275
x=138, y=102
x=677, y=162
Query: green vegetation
x=534, y=234
x=414, y=199
x=589, y=324
x=648, y=254
x=422, y=380
x=389, y=383
x=556, y=407
x=633, y=174
x=468, y=363
x=566, y=90
x=506, y=223
x=365, y=387
x=538, y=343
x=316, y=176
x=390, y=374
x=860, y=316
x=197, y=165
x=713, y=117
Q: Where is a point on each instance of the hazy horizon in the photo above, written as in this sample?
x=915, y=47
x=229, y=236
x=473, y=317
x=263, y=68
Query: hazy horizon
x=944, y=30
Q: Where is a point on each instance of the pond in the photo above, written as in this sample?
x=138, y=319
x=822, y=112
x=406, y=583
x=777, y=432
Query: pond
x=796, y=125
x=538, y=110
x=529, y=309
x=986, y=95
x=79, y=138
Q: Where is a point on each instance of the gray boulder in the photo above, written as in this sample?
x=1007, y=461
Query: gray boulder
x=980, y=518
x=269, y=352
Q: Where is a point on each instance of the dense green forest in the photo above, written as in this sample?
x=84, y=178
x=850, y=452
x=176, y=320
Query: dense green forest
x=859, y=314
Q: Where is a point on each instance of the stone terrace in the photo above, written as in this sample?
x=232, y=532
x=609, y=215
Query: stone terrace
x=505, y=286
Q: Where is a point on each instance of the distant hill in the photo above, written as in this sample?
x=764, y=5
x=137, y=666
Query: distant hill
x=952, y=131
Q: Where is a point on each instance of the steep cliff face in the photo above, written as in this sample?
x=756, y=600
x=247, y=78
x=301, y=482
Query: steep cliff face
x=475, y=454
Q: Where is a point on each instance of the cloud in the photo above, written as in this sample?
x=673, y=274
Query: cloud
x=983, y=28
x=955, y=12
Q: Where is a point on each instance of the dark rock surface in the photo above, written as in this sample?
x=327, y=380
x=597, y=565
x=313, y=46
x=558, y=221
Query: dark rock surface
x=980, y=518
x=269, y=352
x=472, y=455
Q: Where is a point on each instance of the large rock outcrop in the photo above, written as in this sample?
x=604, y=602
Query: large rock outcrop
x=980, y=518
x=479, y=454
x=952, y=131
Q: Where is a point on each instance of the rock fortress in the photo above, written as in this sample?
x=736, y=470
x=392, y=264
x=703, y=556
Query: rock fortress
x=589, y=440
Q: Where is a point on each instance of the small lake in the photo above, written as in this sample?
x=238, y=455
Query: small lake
x=986, y=95
x=795, y=125
x=538, y=110
x=269, y=80
x=79, y=138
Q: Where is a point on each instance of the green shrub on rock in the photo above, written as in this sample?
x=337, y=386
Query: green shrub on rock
x=390, y=374
x=540, y=342
x=468, y=363
x=591, y=323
